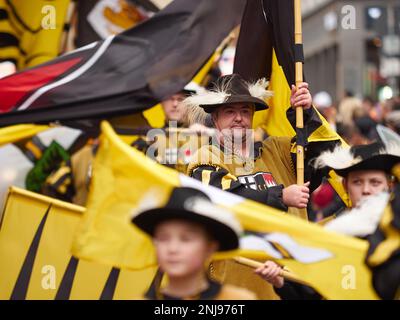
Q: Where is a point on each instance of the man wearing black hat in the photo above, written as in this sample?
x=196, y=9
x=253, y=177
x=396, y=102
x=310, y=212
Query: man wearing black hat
x=268, y=175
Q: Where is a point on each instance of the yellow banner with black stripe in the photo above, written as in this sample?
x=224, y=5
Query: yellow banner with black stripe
x=125, y=180
x=36, y=263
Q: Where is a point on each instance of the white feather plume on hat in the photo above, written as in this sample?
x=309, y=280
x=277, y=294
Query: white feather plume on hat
x=341, y=158
x=258, y=89
x=220, y=93
x=363, y=220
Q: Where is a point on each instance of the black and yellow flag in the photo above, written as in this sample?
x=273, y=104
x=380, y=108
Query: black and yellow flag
x=266, y=49
x=36, y=235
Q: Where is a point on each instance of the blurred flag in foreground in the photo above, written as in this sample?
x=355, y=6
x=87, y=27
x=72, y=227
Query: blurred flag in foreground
x=125, y=180
x=36, y=234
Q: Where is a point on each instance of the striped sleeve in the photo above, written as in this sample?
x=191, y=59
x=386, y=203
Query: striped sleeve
x=222, y=179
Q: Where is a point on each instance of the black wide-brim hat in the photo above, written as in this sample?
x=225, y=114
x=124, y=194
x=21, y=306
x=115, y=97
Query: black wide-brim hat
x=374, y=156
x=231, y=89
x=192, y=205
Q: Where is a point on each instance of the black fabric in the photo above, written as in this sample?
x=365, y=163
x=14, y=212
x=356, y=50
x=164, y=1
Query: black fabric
x=312, y=122
x=138, y=68
x=213, y=289
x=386, y=274
x=85, y=32
x=180, y=206
x=270, y=197
x=386, y=279
x=266, y=25
x=373, y=157
x=20, y=289
x=65, y=287
x=238, y=92
x=299, y=53
x=295, y=291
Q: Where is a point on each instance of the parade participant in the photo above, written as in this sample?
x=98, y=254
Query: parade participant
x=170, y=146
x=186, y=232
x=173, y=107
x=366, y=172
x=268, y=176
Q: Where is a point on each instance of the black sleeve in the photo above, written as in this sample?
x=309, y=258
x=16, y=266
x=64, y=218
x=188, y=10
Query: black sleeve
x=386, y=278
x=294, y=291
x=312, y=150
x=337, y=205
x=222, y=179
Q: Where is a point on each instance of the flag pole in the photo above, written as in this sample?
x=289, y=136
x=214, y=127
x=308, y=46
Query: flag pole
x=284, y=273
x=298, y=37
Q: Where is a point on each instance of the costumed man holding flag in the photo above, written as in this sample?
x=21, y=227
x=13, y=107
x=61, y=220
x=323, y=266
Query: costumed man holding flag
x=268, y=175
x=261, y=171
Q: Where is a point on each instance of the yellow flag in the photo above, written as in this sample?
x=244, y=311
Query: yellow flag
x=34, y=30
x=275, y=123
x=124, y=181
x=274, y=120
x=36, y=263
x=20, y=131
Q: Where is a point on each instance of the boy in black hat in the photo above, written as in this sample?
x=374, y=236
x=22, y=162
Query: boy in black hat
x=186, y=232
x=268, y=176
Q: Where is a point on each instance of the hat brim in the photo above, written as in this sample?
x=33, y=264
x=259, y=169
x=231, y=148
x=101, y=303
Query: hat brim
x=223, y=234
x=382, y=162
x=259, y=104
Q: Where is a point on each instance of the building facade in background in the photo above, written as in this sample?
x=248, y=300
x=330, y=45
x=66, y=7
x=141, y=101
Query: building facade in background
x=352, y=45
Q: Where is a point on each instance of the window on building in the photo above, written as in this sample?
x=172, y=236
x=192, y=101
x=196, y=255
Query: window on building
x=376, y=19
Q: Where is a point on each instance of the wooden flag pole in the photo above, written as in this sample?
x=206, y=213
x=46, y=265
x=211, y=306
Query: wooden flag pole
x=284, y=273
x=298, y=39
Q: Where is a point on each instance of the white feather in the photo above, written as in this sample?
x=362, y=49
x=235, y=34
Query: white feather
x=339, y=158
x=206, y=98
x=363, y=220
x=391, y=148
x=258, y=89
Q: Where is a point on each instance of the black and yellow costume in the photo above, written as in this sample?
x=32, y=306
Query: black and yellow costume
x=273, y=168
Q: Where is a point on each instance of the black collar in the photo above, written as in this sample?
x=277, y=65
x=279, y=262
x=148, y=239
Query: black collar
x=210, y=293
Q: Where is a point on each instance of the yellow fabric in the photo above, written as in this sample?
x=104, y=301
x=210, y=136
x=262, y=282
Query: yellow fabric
x=275, y=123
x=233, y=273
x=22, y=215
x=20, y=131
x=125, y=181
x=390, y=244
x=156, y=116
x=274, y=120
x=36, y=43
x=275, y=159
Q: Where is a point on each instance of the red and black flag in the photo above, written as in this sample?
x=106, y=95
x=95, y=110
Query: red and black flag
x=125, y=73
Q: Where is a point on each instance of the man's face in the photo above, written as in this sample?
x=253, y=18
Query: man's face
x=182, y=248
x=234, y=119
x=365, y=183
x=173, y=108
